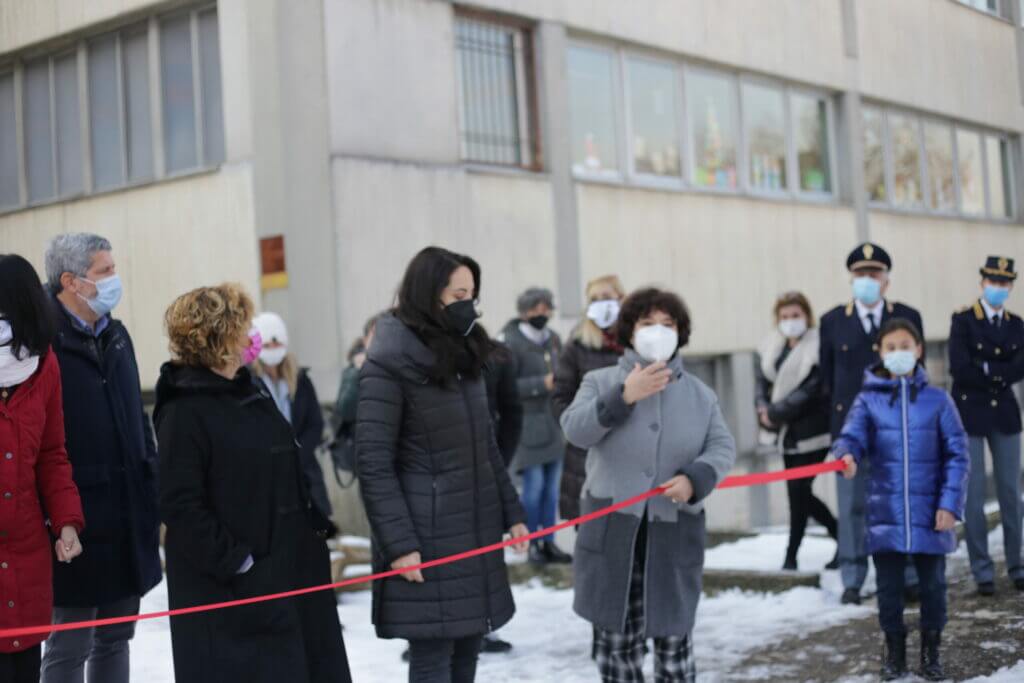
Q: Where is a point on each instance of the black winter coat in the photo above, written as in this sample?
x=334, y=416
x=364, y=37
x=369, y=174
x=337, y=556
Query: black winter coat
x=308, y=425
x=231, y=488
x=433, y=481
x=501, y=376
x=114, y=464
x=575, y=362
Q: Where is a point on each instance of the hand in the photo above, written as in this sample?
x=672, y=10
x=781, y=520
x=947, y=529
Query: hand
x=944, y=520
x=679, y=489
x=851, y=466
x=762, y=417
x=359, y=359
x=519, y=531
x=68, y=546
x=410, y=560
x=645, y=382
x=549, y=381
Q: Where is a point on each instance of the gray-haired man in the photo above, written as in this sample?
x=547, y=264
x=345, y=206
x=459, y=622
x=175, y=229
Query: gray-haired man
x=113, y=457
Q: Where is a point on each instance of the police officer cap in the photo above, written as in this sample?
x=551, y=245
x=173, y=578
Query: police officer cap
x=869, y=255
x=999, y=268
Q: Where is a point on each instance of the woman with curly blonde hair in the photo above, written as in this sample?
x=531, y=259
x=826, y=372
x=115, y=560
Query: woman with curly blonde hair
x=238, y=514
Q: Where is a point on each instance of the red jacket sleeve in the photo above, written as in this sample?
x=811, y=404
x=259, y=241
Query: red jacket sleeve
x=53, y=469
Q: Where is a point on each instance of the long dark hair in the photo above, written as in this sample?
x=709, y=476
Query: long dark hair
x=25, y=305
x=419, y=307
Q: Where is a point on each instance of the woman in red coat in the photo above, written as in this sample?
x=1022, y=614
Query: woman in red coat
x=38, y=498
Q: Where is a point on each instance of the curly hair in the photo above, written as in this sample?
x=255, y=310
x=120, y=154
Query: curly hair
x=207, y=325
x=645, y=301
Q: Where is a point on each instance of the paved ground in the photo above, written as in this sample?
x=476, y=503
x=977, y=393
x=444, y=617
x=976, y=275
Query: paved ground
x=983, y=636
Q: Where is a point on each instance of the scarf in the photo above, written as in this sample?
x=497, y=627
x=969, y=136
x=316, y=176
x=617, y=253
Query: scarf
x=13, y=370
x=797, y=367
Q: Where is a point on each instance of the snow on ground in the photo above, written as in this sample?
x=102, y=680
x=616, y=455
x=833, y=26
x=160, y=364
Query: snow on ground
x=552, y=644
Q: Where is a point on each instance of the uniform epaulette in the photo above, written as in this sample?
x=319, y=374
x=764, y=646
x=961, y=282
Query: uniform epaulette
x=979, y=312
x=1008, y=315
x=889, y=307
x=849, y=309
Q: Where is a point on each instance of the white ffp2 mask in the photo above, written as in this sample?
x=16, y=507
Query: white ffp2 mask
x=656, y=343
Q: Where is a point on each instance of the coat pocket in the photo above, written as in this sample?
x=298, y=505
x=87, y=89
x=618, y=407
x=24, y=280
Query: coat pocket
x=260, y=618
x=592, y=535
x=692, y=539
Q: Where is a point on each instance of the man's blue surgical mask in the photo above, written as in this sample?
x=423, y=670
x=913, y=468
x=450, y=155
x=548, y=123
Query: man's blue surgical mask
x=867, y=290
x=108, y=295
x=996, y=296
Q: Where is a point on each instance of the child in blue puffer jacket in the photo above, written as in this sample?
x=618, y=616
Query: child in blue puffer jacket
x=917, y=448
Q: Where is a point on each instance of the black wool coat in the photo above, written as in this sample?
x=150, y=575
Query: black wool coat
x=114, y=464
x=433, y=481
x=232, y=488
x=575, y=362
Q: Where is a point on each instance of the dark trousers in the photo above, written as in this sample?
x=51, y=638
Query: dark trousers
x=891, y=571
x=444, y=661
x=21, y=667
x=803, y=504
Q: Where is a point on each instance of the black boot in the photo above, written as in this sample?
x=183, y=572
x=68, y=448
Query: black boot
x=834, y=564
x=537, y=554
x=790, y=563
x=554, y=554
x=894, y=657
x=931, y=664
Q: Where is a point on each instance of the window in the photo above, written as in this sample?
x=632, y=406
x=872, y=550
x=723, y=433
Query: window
x=873, y=131
x=592, y=110
x=904, y=131
x=712, y=112
x=969, y=170
x=999, y=190
x=634, y=105
x=998, y=8
x=105, y=115
x=965, y=171
x=70, y=179
x=494, y=75
x=9, y=193
x=87, y=113
x=653, y=117
x=811, y=129
x=764, y=121
x=38, y=132
x=138, y=120
x=938, y=147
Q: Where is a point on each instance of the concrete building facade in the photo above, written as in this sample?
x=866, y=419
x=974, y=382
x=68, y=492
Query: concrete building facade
x=729, y=150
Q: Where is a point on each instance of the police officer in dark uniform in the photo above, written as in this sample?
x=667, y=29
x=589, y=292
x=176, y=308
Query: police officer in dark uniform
x=986, y=358
x=849, y=345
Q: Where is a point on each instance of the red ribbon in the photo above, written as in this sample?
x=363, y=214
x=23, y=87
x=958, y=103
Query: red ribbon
x=730, y=482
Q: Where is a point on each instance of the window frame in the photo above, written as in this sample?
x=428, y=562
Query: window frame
x=531, y=151
x=830, y=140
x=690, y=163
x=788, y=139
x=625, y=171
x=923, y=208
x=616, y=173
x=679, y=99
x=79, y=48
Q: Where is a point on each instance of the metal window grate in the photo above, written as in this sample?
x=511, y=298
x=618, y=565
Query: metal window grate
x=494, y=78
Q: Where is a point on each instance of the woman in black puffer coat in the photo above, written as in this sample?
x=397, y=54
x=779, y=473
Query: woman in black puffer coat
x=432, y=477
x=592, y=347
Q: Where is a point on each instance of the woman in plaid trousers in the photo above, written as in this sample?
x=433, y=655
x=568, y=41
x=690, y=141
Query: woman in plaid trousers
x=646, y=422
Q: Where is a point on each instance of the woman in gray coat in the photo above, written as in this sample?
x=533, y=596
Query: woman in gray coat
x=646, y=422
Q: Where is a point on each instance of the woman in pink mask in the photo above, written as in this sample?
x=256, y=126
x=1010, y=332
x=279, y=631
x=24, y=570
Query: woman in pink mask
x=239, y=519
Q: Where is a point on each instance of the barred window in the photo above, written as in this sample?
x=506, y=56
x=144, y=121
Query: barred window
x=497, y=121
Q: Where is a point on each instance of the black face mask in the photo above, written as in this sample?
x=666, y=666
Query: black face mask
x=461, y=316
x=538, y=322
